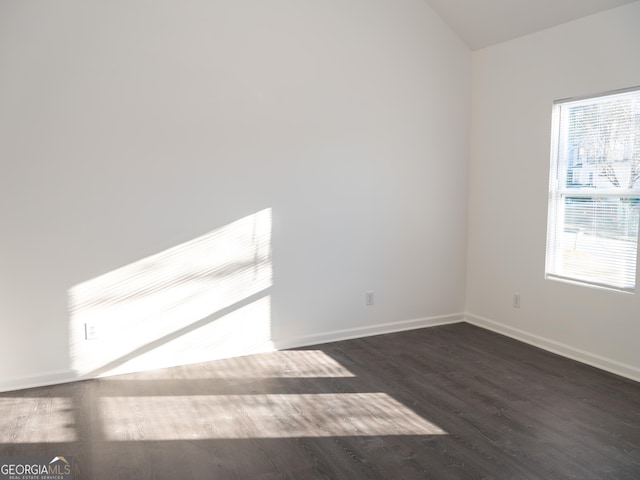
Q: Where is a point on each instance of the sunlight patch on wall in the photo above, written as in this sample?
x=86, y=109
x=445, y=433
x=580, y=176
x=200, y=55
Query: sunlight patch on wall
x=259, y=416
x=37, y=420
x=201, y=300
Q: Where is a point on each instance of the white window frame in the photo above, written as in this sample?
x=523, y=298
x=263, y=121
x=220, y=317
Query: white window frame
x=558, y=191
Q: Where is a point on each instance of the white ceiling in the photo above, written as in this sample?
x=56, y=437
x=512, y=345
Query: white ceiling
x=481, y=23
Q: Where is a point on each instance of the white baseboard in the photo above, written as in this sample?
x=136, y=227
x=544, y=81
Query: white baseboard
x=368, y=331
x=598, y=361
x=50, y=378
x=65, y=376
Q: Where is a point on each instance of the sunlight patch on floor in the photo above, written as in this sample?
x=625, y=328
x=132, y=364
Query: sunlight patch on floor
x=276, y=364
x=259, y=416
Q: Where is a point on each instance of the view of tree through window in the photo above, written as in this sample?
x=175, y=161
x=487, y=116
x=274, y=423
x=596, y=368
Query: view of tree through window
x=595, y=190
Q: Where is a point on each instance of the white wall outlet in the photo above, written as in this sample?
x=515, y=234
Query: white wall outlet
x=90, y=331
x=516, y=300
x=368, y=298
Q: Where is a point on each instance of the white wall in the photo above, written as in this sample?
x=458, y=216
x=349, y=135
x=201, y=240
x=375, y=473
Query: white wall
x=514, y=86
x=128, y=128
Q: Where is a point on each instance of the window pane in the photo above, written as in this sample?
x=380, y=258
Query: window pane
x=603, y=143
x=600, y=237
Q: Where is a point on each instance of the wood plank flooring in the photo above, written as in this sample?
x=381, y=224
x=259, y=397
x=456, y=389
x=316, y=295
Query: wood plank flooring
x=450, y=402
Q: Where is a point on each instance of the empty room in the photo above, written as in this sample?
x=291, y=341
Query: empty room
x=381, y=239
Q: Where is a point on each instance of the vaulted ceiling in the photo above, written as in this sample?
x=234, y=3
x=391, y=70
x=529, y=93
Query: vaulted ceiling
x=481, y=23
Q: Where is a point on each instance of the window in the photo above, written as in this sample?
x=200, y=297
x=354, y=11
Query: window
x=594, y=193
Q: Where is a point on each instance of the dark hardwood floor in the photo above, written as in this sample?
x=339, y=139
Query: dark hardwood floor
x=450, y=402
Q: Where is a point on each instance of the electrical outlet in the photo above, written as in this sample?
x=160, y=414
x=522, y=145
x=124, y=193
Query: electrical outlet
x=90, y=331
x=516, y=300
x=368, y=298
